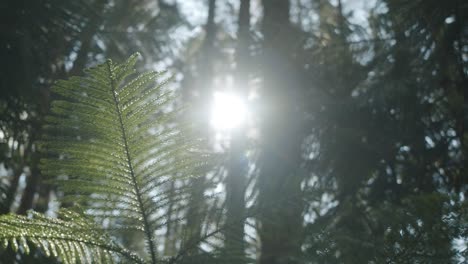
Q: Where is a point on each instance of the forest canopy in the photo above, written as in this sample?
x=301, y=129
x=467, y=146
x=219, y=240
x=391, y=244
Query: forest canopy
x=247, y=131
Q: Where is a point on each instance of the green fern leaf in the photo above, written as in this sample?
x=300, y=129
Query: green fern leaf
x=71, y=237
x=113, y=146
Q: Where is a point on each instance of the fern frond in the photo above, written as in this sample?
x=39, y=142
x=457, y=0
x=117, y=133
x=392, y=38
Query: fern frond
x=114, y=146
x=71, y=237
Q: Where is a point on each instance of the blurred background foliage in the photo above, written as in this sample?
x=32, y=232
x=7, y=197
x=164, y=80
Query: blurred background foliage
x=355, y=151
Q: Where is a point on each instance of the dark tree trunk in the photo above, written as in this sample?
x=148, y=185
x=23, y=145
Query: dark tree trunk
x=86, y=38
x=169, y=245
x=32, y=183
x=197, y=91
x=237, y=166
x=279, y=182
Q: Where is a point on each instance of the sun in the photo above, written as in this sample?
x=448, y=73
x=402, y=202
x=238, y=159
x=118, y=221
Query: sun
x=228, y=111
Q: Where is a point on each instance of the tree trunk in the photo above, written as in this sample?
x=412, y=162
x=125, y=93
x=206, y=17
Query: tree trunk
x=86, y=38
x=197, y=91
x=237, y=168
x=32, y=183
x=279, y=183
x=169, y=245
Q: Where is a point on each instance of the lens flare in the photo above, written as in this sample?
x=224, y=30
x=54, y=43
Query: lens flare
x=228, y=111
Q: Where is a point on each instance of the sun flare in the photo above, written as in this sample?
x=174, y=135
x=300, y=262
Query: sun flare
x=228, y=111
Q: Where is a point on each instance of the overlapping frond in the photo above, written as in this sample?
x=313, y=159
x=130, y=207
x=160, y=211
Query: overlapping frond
x=71, y=237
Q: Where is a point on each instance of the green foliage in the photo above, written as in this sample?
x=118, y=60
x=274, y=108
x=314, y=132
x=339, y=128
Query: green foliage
x=360, y=129
x=112, y=147
x=72, y=237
